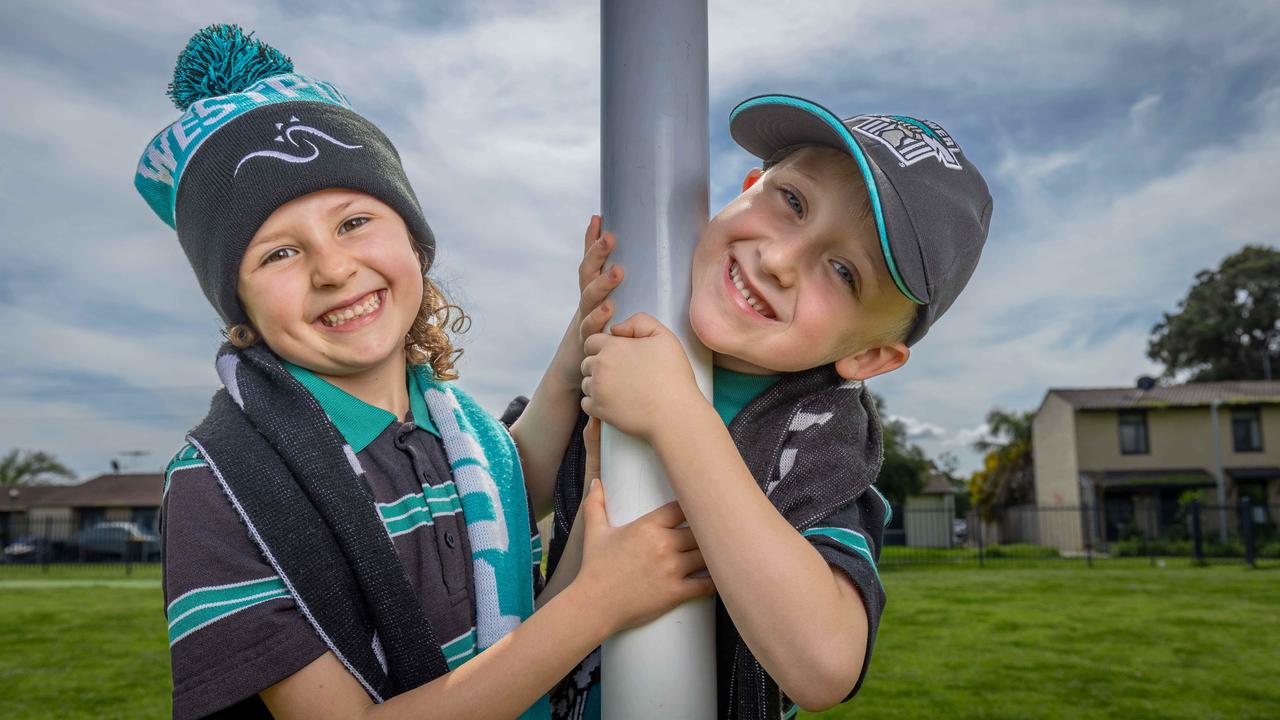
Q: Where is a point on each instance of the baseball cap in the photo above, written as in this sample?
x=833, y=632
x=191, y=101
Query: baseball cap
x=932, y=208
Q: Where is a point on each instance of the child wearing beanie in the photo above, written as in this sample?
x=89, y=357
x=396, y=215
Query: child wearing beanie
x=347, y=533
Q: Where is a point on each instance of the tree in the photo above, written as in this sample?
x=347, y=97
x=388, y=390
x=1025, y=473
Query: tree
x=30, y=468
x=1007, y=476
x=1228, y=325
x=906, y=469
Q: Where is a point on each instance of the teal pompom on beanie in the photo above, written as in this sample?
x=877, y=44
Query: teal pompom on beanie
x=253, y=136
x=221, y=60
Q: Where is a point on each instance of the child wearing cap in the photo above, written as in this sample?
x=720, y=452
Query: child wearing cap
x=347, y=532
x=836, y=258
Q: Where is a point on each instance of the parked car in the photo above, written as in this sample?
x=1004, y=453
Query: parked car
x=114, y=540
x=959, y=530
x=28, y=549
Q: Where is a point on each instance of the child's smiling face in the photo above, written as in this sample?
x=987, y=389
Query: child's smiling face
x=332, y=283
x=789, y=276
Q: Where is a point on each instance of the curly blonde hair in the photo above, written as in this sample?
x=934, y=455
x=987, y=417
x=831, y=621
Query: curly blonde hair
x=428, y=341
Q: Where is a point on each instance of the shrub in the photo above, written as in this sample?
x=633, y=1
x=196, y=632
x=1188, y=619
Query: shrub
x=1021, y=550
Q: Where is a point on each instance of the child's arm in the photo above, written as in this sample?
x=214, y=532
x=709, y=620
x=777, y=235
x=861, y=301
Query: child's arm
x=567, y=568
x=542, y=432
x=619, y=585
x=803, y=619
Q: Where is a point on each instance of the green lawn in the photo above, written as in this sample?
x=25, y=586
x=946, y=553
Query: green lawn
x=1048, y=640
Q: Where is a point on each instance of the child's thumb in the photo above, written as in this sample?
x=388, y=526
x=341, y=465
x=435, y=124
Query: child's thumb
x=593, y=507
x=637, y=326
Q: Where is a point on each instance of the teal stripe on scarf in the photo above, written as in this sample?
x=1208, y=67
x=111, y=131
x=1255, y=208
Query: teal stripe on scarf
x=490, y=484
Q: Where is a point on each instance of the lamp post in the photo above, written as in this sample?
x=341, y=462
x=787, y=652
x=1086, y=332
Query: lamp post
x=654, y=168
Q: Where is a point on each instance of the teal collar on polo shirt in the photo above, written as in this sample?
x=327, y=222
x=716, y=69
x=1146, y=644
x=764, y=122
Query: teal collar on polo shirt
x=358, y=421
x=733, y=390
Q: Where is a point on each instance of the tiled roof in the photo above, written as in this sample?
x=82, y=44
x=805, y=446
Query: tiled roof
x=1244, y=392
x=20, y=497
x=129, y=490
x=939, y=485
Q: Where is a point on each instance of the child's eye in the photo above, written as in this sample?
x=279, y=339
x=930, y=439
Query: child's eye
x=793, y=201
x=352, y=224
x=845, y=274
x=279, y=254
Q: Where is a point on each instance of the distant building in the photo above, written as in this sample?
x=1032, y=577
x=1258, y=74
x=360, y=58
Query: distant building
x=929, y=516
x=1130, y=453
x=57, y=511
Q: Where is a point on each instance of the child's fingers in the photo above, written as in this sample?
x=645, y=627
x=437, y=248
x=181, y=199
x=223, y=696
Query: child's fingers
x=595, y=343
x=594, y=321
x=695, y=587
x=592, y=233
x=593, y=509
x=690, y=562
x=591, y=438
x=594, y=259
x=599, y=287
x=667, y=516
x=638, y=325
x=683, y=539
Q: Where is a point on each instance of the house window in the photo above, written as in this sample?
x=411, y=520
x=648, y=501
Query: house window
x=1246, y=429
x=1133, y=433
x=144, y=518
x=91, y=516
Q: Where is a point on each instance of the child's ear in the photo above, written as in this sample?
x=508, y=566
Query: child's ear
x=752, y=176
x=873, y=361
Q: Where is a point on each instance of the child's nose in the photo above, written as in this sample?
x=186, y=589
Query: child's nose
x=778, y=260
x=332, y=266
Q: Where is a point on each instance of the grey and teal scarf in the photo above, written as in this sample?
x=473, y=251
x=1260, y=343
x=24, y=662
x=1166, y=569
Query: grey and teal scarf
x=300, y=491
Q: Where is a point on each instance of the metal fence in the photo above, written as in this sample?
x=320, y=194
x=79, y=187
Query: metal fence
x=1236, y=533
x=916, y=535
x=61, y=541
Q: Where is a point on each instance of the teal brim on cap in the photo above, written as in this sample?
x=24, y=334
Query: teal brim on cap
x=758, y=126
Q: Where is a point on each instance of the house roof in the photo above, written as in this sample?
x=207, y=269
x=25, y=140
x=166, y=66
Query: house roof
x=1243, y=392
x=111, y=490
x=20, y=497
x=939, y=485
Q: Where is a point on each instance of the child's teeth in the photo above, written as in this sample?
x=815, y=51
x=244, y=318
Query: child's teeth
x=355, y=311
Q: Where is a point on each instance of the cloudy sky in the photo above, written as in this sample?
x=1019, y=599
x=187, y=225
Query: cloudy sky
x=1127, y=145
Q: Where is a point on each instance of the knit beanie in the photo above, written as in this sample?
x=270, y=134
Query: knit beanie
x=253, y=136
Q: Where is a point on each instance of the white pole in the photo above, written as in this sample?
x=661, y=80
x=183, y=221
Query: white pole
x=654, y=168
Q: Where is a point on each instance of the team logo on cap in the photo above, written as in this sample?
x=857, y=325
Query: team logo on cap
x=909, y=140
x=287, y=135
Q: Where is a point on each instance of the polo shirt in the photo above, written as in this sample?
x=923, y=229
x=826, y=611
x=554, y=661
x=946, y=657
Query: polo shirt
x=847, y=539
x=234, y=629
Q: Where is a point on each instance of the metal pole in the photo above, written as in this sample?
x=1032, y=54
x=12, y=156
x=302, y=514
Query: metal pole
x=654, y=168
x=1217, y=471
x=1246, y=531
x=1196, y=535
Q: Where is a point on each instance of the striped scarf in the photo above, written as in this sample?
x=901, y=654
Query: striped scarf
x=300, y=490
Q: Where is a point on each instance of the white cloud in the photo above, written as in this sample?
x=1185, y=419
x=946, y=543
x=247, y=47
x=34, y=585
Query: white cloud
x=495, y=109
x=919, y=429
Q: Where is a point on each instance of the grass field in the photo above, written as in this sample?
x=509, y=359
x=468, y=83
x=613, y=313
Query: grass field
x=1049, y=640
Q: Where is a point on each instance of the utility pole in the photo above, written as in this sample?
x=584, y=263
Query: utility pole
x=654, y=168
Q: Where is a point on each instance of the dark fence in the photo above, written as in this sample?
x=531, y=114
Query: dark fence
x=1234, y=533
x=916, y=535
x=60, y=541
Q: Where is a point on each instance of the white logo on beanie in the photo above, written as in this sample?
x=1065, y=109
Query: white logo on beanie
x=287, y=135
